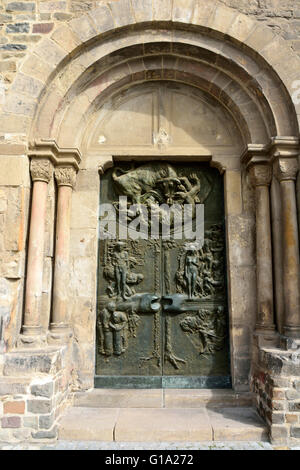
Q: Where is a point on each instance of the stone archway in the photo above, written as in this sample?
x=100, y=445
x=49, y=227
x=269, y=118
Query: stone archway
x=234, y=62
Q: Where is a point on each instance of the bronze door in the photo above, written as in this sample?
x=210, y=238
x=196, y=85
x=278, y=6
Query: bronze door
x=162, y=316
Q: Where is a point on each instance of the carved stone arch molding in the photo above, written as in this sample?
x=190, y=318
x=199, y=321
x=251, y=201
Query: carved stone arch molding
x=235, y=39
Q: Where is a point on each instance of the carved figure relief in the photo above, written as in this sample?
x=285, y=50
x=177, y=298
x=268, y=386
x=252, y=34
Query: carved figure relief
x=114, y=327
x=118, y=270
x=201, y=271
x=161, y=302
x=209, y=327
x=152, y=185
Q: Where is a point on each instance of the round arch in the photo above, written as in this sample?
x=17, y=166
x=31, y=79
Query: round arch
x=235, y=53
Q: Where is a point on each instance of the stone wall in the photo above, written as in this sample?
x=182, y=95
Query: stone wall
x=282, y=16
x=34, y=390
x=276, y=385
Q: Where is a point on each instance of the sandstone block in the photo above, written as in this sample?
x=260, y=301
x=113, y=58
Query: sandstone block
x=46, y=421
x=15, y=223
x=39, y=406
x=84, y=210
x=20, y=6
x=19, y=105
x=278, y=394
x=295, y=431
x=83, y=28
x=233, y=192
x=42, y=28
x=162, y=10
x=27, y=85
x=223, y=18
x=203, y=13
x=50, y=51
x=278, y=433
x=164, y=424
x=241, y=232
x=297, y=385
x=9, y=386
x=42, y=389
x=142, y=10
x=260, y=37
x=280, y=382
x=11, y=422
x=25, y=364
x=14, y=407
x=292, y=395
x=292, y=418
x=294, y=405
x=183, y=10
x=241, y=27
x=51, y=434
x=13, y=47
x=237, y=423
x=102, y=18
x=122, y=16
x=31, y=422
x=36, y=67
x=52, y=6
x=88, y=424
x=22, y=434
x=65, y=38
x=277, y=417
x=5, y=18
x=18, y=28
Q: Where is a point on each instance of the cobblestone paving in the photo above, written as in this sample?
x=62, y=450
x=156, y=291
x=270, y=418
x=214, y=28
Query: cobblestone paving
x=96, y=445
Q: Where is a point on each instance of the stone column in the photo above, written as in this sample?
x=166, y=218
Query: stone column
x=286, y=171
x=41, y=173
x=261, y=175
x=65, y=178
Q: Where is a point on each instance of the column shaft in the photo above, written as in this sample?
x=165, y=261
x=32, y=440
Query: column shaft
x=41, y=173
x=265, y=318
x=261, y=176
x=61, y=264
x=65, y=178
x=291, y=271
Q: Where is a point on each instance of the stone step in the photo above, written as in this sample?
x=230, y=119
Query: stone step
x=161, y=424
x=161, y=398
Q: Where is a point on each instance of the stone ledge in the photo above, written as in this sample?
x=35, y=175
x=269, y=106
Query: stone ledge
x=150, y=424
x=28, y=362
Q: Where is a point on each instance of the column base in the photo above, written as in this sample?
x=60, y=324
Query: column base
x=27, y=340
x=59, y=333
x=288, y=343
x=291, y=331
x=266, y=337
x=31, y=330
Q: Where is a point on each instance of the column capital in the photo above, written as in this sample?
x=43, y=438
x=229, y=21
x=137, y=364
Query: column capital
x=260, y=174
x=286, y=169
x=47, y=148
x=65, y=176
x=41, y=169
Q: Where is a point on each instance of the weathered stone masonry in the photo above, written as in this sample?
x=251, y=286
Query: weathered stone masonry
x=68, y=70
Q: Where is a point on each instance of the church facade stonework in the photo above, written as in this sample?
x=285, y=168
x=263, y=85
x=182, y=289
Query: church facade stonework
x=160, y=102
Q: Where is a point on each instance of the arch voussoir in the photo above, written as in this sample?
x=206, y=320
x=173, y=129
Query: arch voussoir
x=246, y=48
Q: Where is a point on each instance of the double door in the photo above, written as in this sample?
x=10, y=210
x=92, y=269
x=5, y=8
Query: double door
x=161, y=303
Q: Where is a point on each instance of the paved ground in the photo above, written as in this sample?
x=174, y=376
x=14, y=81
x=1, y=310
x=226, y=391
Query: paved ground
x=159, y=420
x=162, y=416
x=96, y=445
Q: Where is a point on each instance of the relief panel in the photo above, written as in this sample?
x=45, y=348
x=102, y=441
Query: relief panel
x=162, y=303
